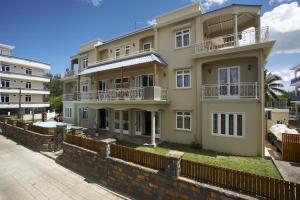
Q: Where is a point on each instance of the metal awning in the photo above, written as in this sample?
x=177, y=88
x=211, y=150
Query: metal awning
x=151, y=57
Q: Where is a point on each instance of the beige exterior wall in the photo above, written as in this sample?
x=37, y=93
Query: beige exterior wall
x=246, y=145
x=204, y=70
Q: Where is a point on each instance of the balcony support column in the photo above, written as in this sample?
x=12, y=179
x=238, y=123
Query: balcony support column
x=153, y=144
x=97, y=85
x=235, y=29
x=258, y=29
x=78, y=87
x=121, y=123
x=154, y=74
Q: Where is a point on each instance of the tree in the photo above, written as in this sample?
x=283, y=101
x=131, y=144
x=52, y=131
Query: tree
x=56, y=90
x=273, y=86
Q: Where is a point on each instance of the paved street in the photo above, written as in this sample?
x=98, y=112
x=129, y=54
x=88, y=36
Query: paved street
x=26, y=175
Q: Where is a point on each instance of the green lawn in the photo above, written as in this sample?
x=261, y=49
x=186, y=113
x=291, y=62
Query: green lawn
x=256, y=165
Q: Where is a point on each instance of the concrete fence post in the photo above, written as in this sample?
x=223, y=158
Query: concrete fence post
x=105, y=147
x=173, y=159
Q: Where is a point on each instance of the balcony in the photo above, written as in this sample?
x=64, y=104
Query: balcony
x=15, y=90
x=42, y=78
x=295, y=80
x=124, y=56
x=248, y=37
x=130, y=94
x=24, y=104
x=295, y=98
x=230, y=91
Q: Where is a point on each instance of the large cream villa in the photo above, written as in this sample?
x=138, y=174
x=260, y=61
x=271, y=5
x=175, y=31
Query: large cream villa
x=22, y=83
x=192, y=77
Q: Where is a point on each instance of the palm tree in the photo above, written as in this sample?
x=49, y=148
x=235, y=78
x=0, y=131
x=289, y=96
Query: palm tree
x=273, y=86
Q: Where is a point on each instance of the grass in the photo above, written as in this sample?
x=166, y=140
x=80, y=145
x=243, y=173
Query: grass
x=255, y=165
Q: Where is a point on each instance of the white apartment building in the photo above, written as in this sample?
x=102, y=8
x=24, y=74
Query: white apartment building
x=22, y=83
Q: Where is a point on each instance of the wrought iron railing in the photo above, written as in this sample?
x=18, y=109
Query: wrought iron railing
x=230, y=91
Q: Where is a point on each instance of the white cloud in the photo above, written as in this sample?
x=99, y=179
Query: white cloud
x=151, y=22
x=285, y=74
x=284, y=24
x=278, y=1
x=208, y=3
x=94, y=2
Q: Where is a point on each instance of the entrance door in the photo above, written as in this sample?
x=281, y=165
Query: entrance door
x=117, y=121
x=139, y=121
x=125, y=122
x=102, y=121
x=147, y=123
x=229, y=79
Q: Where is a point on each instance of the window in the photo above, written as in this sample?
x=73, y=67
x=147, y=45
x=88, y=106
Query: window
x=5, y=68
x=103, y=85
x=229, y=79
x=28, y=85
x=85, y=113
x=269, y=115
x=127, y=50
x=118, y=83
x=117, y=53
x=183, y=120
x=5, y=83
x=68, y=112
x=145, y=80
x=85, y=62
x=28, y=71
x=117, y=121
x=28, y=98
x=228, y=124
x=183, y=79
x=182, y=38
x=84, y=88
x=147, y=46
x=4, y=98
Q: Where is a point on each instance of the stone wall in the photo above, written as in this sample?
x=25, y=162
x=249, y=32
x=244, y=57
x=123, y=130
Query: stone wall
x=30, y=139
x=137, y=181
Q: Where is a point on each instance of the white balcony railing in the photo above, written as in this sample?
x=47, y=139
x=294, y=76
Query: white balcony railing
x=127, y=94
x=248, y=37
x=230, y=91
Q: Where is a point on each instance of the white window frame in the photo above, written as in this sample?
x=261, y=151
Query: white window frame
x=5, y=67
x=85, y=62
x=124, y=83
x=28, y=71
x=103, y=82
x=150, y=46
x=235, y=114
x=28, y=85
x=127, y=50
x=117, y=51
x=228, y=96
x=28, y=98
x=182, y=75
x=4, y=98
x=5, y=81
x=139, y=79
x=84, y=113
x=181, y=34
x=68, y=113
x=183, y=117
x=85, y=88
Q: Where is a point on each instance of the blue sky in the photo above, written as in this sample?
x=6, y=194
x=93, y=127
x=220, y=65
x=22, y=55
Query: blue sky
x=52, y=30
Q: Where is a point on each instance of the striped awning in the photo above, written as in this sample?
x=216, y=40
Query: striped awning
x=125, y=63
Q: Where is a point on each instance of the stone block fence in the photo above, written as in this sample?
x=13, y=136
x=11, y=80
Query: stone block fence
x=31, y=136
x=137, y=181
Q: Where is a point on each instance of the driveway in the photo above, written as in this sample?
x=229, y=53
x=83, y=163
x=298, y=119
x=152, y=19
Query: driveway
x=26, y=175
